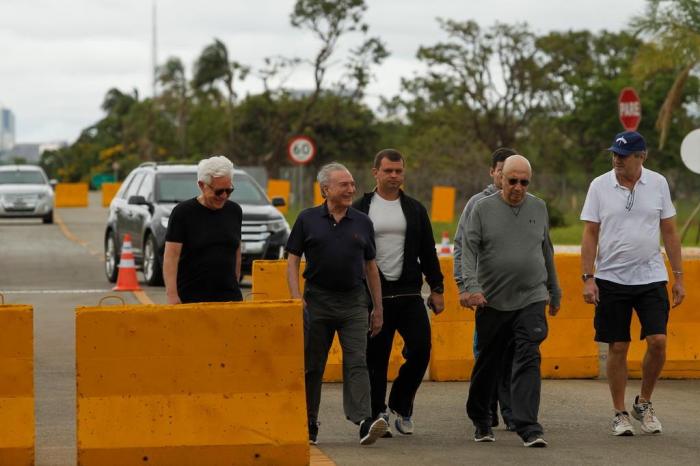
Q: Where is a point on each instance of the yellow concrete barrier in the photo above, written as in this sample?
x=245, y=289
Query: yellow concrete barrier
x=568, y=351
x=108, y=192
x=270, y=282
x=683, y=342
x=16, y=385
x=279, y=188
x=443, y=204
x=71, y=195
x=214, y=384
x=318, y=199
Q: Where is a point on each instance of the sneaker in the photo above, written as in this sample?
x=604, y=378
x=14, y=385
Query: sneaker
x=388, y=433
x=644, y=413
x=484, y=434
x=404, y=424
x=372, y=429
x=534, y=440
x=621, y=425
x=510, y=426
x=313, y=433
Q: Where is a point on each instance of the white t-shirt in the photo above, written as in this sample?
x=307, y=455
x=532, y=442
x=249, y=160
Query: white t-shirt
x=628, y=243
x=389, y=235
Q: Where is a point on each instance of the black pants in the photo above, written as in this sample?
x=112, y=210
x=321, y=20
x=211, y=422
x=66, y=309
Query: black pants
x=408, y=316
x=526, y=328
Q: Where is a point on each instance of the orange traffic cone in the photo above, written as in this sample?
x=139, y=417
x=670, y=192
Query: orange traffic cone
x=445, y=246
x=126, y=279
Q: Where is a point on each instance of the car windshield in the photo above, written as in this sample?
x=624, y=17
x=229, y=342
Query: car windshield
x=21, y=177
x=177, y=187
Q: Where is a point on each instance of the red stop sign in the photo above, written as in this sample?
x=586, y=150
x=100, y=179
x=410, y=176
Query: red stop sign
x=629, y=109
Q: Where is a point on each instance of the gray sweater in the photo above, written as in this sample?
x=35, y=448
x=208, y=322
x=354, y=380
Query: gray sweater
x=507, y=254
x=461, y=232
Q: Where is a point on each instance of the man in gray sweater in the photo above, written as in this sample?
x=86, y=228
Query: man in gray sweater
x=508, y=237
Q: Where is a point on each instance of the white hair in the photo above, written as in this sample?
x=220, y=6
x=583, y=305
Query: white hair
x=214, y=167
x=324, y=175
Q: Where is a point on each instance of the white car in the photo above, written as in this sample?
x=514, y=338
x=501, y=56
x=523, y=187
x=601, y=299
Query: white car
x=25, y=192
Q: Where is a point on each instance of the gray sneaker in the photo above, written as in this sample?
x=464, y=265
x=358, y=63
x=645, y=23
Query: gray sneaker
x=644, y=413
x=404, y=424
x=621, y=425
x=388, y=433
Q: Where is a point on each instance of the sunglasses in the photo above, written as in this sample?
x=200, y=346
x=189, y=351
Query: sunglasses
x=219, y=192
x=514, y=181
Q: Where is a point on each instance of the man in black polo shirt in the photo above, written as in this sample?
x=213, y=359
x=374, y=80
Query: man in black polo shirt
x=338, y=243
x=405, y=253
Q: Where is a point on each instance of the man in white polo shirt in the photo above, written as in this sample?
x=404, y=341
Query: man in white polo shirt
x=624, y=211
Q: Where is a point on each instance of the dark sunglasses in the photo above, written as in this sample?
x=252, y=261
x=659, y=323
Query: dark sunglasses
x=514, y=181
x=219, y=192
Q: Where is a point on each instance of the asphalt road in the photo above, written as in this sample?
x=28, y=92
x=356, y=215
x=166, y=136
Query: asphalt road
x=57, y=269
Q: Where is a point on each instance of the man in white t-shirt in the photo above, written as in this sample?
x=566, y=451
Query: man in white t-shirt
x=405, y=254
x=624, y=211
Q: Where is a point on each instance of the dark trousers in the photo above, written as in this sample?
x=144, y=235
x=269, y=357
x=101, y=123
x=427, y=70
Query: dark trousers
x=325, y=313
x=526, y=328
x=408, y=316
x=501, y=394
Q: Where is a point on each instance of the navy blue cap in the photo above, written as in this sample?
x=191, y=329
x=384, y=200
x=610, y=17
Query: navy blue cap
x=628, y=142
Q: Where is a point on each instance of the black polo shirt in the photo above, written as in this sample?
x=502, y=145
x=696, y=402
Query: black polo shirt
x=335, y=252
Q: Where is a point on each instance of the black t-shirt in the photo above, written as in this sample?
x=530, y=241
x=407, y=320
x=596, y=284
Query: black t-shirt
x=207, y=268
x=335, y=252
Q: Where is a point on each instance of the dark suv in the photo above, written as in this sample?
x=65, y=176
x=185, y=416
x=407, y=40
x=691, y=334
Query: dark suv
x=142, y=208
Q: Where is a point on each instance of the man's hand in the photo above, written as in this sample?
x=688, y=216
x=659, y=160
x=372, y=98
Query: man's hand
x=590, y=292
x=476, y=300
x=678, y=292
x=376, y=320
x=464, y=299
x=436, y=302
x=553, y=310
x=174, y=299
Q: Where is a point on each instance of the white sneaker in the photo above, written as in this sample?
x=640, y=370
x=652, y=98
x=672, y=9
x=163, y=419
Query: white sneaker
x=621, y=425
x=404, y=424
x=644, y=413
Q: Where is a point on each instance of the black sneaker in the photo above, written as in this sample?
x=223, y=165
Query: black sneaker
x=484, y=434
x=510, y=427
x=534, y=440
x=372, y=429
x=313, y=433
x=388, y=433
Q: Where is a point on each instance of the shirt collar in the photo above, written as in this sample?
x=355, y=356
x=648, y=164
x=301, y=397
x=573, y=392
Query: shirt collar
x=644, y=179
x=326, y=213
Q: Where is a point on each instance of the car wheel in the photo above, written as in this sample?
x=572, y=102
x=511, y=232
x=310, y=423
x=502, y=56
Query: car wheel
x=111, y=258
x=48, y=218
x=152, y=268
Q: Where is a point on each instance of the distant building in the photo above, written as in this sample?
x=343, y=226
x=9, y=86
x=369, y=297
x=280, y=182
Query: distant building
x=28, y=152
x=7, y=129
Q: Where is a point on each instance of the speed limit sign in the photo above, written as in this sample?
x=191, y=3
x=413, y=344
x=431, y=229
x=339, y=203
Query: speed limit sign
x=301, y=150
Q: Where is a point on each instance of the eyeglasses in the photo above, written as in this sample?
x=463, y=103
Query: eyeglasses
x=219, y=192
x=514, y=181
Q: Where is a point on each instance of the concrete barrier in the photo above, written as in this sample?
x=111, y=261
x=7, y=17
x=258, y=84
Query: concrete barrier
x=108, y=192
x=279, y=188
x=270, y=282
x=318, y=199
x=16, y=385
x=683, y=342
x=215, y=384
x=443, y=204
x=71, y=195
x=568, y=351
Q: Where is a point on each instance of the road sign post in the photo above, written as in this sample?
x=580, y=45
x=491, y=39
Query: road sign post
x=301, y=150
x=629, y=109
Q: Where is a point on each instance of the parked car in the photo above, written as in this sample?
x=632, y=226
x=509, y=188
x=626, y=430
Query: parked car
x=142, y=208
x=25, y=191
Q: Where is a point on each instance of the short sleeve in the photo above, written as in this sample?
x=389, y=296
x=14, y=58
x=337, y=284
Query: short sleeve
x=667, y=208
x=591, y=207
x=176, y=225
x=295, y=243
x=371, y=246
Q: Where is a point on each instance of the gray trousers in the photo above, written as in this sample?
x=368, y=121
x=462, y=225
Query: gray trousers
x=345, y=312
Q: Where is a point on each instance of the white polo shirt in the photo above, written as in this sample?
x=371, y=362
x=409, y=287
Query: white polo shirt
x=628, y=244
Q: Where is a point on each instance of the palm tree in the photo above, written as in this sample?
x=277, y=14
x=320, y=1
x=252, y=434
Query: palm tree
x=674, y=27
x=172, y=77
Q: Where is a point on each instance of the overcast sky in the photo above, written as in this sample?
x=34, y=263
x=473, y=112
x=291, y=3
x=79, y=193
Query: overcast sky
x=59, y=58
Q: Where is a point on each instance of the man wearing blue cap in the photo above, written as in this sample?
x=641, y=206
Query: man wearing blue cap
x=624, y=211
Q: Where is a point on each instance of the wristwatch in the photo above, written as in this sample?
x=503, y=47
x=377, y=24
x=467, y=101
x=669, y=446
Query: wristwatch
x=586, y=276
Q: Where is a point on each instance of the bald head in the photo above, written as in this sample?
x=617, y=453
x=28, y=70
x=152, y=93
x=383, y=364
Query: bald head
x=517, y=163
x=516, y=178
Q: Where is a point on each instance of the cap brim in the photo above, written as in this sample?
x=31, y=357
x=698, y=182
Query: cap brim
x=618, y=151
